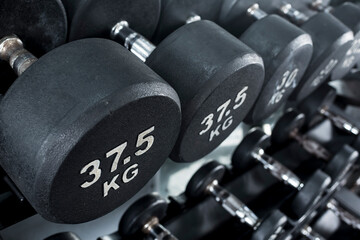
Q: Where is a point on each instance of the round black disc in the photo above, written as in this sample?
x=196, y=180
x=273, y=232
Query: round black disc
x=286, y=51
x=242, y=158
x=332, y=39
x=63, y=236
x=203, y=177
x=290, y=121
x=93, y=18
x=91, y=124
x=310, y=106
x=218, y=79
x=310, y=193
x=271, y=226
x=340, y=164
x=140, y=212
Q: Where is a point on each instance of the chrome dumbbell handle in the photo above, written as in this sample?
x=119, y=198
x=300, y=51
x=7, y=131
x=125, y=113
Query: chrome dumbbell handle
x=157, y=231
x=133, y=41
x=320, y=6
x=256, y=12
x=294, y=15
x=276, y=169
x=344, y=215
x=311, y=146
x=339, y=121
x=232, y=204
x=12, y=50
x=309, y=233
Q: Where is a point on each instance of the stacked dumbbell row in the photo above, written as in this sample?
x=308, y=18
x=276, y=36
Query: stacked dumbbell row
x=86, y=125
x=318, y=192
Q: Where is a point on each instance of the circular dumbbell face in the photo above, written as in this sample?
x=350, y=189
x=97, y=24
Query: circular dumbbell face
x=141, y=212
x=92, y=123
x=340, y=164
x=242, y=158
x=310, y=106
x=325, y=61
x=310, y=193
x=285, y=125
x=217, y=87
x=270, y=227
x=199, y=182
x=286, y=51
x=92, y=18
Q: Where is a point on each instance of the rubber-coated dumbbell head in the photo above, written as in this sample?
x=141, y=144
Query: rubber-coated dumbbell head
x=63, y=236
x=310, y=193
x=270, y=227
x=197, y=186
x=310, y=106
x=141, y=212
x=332, y=39
x=286, y=51
x=290, y=121
x=85, y=128
x=340, y=163
x=218, y=79
x=175, y=13
x=92, y=18
x=242, y=158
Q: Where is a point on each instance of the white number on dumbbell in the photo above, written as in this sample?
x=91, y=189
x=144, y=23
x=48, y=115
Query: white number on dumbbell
x=325, y=72
x=144, y=143
x=224, y=120
x=288, y=81
x=350, y=54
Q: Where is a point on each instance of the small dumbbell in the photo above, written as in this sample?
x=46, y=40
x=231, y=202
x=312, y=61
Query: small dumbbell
x=217, y=77
x=84, y=127
x=349, y=14
x=206, y=182
x=286, y=51
x=317, y=106
x=63, y=236
x=251, y=151
x=144, y=216
x=332, y=39
x=288, y=128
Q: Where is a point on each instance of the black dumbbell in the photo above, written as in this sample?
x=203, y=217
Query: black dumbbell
x=206, y=182
x=286, y=51
x=349, y=14
x=288, y=128
x=317, y=106
x=144, y=216
x=217, y=77
x=64, y=236
x=251, y=151
x=83, y=128
x=331, y=38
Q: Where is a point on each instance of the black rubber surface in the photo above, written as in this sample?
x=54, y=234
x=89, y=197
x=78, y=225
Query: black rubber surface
x=63, y=236
x=349, y=201
x=140, y=212
x=198, y=183
x=73, y=107
x=271, y=225
x=218, y=79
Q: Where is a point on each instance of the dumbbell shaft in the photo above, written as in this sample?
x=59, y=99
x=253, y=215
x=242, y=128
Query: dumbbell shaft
x=12, y=50
x=344, y=215
x=233, y=205
x=319, y=5
x=276, y=169
x=293, y=14
x=157, y=231
x=339, y=121
x=308, y=232
x=311, y=146
x=133, y=41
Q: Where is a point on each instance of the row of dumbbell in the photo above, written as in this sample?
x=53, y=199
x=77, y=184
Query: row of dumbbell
x=84, y=127
x=145, y=214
